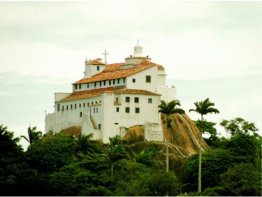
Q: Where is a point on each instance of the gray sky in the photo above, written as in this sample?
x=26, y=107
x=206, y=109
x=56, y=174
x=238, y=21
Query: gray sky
x=209, y=49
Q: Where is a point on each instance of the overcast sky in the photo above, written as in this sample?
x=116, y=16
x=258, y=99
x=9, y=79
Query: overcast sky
x=209, y=49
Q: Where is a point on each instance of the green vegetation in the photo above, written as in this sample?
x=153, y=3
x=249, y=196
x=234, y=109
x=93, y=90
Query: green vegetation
x=63, y=165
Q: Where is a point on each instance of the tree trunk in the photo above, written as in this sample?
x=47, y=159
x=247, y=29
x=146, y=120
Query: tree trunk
x=167, y=149
x=200, y=156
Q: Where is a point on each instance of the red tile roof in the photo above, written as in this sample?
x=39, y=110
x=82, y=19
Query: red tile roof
x=98, y=92
x=119, y=73
x=95, y=62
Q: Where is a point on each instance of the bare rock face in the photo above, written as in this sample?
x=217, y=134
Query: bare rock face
x=74, y=130
x=184, y=133
x=184, y=136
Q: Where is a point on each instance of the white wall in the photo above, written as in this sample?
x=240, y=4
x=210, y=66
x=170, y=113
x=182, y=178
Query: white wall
x=167, y=94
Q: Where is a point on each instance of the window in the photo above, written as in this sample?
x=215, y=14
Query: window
x=79, y=105
x=124, y=80
x=118, y=81
x=116, y=123
x=109, y=82
x=79, y=86
x=67, y=107
x=97, y=68
x=127, y=99
x=104, y=82
x=63, y=108
x=149, y=100
x=71, y=106
x=133, y=80
x=84, y=104
x=92, y=103
x=76, y=86
x=127, y=110
x=117, y=109
x=75, y=105
x=80, y=114
x=113, y=81
x=136, y=100
x=117, y=99
x=148, y=79
x=96, y=110
x=87, y=104
x=96, y=102
x=58, y=107
x=95, y=84
x=87, y=85
x=99, y=126
x=137, y=110
x=100, y=83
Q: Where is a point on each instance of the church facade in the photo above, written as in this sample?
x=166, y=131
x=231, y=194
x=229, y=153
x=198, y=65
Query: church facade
x=113, y=97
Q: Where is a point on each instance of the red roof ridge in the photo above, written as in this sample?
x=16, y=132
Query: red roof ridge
x=96, y=90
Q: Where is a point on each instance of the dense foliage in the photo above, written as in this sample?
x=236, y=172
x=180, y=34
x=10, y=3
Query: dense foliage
x=63, y=165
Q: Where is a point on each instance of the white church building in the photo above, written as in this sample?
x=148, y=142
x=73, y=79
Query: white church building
x=113, y=97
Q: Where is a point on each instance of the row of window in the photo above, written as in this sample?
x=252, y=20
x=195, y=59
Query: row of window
x=136, y=100
x=74, y=105
x=101, y=83
x=127, y=110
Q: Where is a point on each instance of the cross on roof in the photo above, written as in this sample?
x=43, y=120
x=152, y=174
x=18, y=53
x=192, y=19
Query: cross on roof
x=105, y=53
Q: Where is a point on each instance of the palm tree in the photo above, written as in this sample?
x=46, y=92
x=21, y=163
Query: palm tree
x=33, y=135
x=116, y=152
x=86, y=145
x=203, y=108
x=168, y=109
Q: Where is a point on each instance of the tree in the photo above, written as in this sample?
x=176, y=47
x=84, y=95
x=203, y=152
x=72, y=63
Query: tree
x=86, y=145
x=116, y=152
x=239, y=126
x=146, y=157
x=168, y=109
x=203, y=108
x=33, y=135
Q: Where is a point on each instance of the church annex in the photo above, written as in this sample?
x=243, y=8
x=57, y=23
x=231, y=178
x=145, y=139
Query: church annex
x=112, y=97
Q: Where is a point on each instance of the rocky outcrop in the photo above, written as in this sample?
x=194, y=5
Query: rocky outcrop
x=184, y=136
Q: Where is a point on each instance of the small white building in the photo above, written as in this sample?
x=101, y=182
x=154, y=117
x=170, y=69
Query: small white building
x=113, y=97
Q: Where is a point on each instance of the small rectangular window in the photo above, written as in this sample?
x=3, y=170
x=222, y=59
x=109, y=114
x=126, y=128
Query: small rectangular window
x=117, y=109
x=75, y=105
x=96, y=102
x=136, y=100
x=95, y=84
x=71, y=106
x=84, y=104
x=63, y=108
x=100, y=83
x=79, y=105
x=97, y=68
x=96, y=110
x=124, y=80
x=99, y=126
x=127, y=110
x=79, y=86
x=58, y=107
x=113, y=81
x=104, y=82
x=80, y=114
x=137, y=110
x=148, y=79
x=109, y=82
x=117, y=99
x=76, y=86
x=149, y=100
x=133, y=80
x=92, y=103
x=127, y=99
x=67, y=107
x=118, y=81
x=87, y=85
x=116, y=123
x=87, y=104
